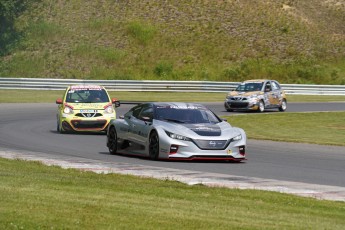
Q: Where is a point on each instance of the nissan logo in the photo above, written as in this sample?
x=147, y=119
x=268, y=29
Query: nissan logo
x=212, y=143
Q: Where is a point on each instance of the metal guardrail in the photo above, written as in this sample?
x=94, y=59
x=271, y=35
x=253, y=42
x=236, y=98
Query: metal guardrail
x=162, y=86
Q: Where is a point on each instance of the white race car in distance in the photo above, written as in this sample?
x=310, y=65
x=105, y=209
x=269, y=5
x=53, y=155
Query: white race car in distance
x=175, y=131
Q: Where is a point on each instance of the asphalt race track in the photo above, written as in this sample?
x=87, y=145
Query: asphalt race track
x=32, y=127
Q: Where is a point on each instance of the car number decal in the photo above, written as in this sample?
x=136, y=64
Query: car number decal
x=88, y=111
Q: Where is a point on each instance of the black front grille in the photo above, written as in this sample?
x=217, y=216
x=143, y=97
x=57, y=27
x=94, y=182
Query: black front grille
x=88, y=115
x=79, y=124
x=238, y=105
x=238, y=99
x=212, y=144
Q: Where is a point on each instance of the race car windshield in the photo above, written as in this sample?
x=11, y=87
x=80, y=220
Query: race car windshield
x=247, y=87
x=187, y=116
x=87, y=96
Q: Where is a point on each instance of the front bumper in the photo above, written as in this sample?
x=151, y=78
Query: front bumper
x=208, y=158
x=188, y=151
x=76, y=124
x=240, y=105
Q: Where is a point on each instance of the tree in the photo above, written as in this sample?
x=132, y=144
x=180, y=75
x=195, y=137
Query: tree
x=9, y=11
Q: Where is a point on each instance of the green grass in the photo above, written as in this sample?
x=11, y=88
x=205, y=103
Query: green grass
x=177, y=40
x=315, y=98
x=49, y=96
x=42, y=197
x=326, y=128
x=44, y=96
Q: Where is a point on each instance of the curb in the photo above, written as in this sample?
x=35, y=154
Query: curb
x=321, y=192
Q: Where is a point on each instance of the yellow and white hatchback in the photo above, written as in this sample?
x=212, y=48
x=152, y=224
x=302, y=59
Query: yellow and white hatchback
x=85, y=108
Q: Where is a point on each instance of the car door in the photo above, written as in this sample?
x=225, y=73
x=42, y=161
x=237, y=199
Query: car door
x=277, y=93
x=268, y=98
x=131, y=119
x=143, y=124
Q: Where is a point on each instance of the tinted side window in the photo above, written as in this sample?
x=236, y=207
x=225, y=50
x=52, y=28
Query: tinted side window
x=146, y=112
x=268, y=87
x=136, y=111
x=128, y=114
x=275, y=85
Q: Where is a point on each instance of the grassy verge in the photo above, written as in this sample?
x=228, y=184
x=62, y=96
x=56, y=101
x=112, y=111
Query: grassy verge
x=42, y=197
x=47, y=96
x=318, y=128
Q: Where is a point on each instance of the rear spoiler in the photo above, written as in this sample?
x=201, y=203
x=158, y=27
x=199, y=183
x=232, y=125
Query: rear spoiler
x=131, y=102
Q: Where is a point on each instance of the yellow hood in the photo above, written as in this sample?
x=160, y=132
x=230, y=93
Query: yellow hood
x=88, y=105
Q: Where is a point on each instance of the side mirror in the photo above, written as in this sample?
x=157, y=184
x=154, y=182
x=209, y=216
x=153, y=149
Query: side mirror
x=59, y=101
x=146, y=119
x=115, y=102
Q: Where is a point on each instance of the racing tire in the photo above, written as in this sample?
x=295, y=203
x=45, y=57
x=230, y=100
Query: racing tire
x=59, y=128
x=112, y=141
x=227, y=108
x=283, y=106
x=154, y=146
x=261, y=107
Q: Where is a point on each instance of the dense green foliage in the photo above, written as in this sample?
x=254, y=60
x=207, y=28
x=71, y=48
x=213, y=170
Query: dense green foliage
x=9, y=11
x=292, y=41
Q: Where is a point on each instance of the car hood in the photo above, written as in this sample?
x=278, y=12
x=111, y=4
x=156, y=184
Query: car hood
x=88, y=105
x=245, y=94
x=222, y=129
x=204, y=129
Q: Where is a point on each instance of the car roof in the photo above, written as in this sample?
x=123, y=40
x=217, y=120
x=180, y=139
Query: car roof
x=177, y=104
x=86, y=86
x=257, y=80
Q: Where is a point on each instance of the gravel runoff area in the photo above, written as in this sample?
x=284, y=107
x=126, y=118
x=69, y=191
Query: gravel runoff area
x=322, y=192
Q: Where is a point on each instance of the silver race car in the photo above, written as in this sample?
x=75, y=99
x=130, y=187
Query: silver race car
x=175, y=131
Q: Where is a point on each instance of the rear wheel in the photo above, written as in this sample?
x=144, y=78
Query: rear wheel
x=261, y=107
x=283, y=106
x=112, y=141
x=154, y=146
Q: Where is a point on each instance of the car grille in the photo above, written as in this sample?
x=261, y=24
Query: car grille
x=212, y=144
x=88, y=115
x=237, y=104
x=79, y=124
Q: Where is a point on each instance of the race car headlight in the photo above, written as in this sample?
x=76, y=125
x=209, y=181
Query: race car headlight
x=109, y=109
x=68, y=110
x=237, y=138
x=253, y=97
x=177, y=136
